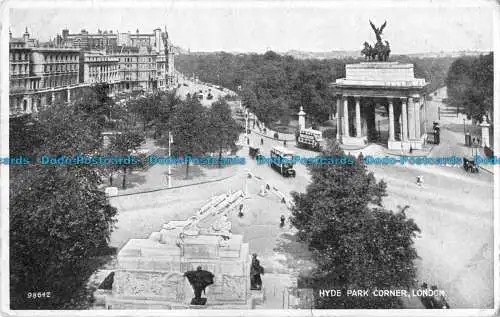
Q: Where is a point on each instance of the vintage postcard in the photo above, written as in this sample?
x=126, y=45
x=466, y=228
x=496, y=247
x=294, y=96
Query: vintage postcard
x=249, y=158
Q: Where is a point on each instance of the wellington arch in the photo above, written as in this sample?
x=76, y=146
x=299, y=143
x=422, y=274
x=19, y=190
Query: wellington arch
x=370, y=85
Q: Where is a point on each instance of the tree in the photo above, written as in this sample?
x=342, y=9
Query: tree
x=123, y=145
x=59, y=220
x=67, y=130
x=168, y=102
x=356, y=243
x=189, y=129
x=95, y=103
x=223, y=130
x=24, y=136
x=470, y=85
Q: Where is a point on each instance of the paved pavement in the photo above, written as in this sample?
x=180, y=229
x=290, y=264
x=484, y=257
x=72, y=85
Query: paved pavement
x=454, y=211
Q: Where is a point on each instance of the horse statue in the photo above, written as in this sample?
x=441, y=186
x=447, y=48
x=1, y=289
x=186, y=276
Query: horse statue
x=380, y=48
x=368, y=52
x=387, y=51
x=379, y=51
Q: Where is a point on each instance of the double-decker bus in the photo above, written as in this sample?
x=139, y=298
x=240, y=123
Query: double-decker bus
x=310, y=139
x=282, y=161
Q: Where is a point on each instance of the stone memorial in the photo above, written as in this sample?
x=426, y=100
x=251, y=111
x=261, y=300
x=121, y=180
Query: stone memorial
x=150, y=273
x=380, y=83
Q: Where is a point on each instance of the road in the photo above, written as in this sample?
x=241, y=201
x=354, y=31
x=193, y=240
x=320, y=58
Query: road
x=192, y=87
x=454, y=211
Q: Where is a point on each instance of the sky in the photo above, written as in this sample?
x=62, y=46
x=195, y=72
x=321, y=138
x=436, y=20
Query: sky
x=412, y=27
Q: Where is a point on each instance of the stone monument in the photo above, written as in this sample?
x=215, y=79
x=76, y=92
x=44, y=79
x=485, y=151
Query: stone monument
x=302, y=119
x=485, y=133
x=199, y=280
x=391, y=85
x=150, y=273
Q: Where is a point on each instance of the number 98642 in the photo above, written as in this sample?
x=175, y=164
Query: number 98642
x=34, y=295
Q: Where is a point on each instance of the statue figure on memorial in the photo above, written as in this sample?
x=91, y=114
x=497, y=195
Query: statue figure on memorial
x=368, y=51
x=387, y=51
x=378, y=31
x=379, y=50
x=199, y=280
x=255, y=271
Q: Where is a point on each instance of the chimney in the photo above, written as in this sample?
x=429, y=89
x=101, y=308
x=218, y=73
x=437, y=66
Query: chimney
x=26, y=35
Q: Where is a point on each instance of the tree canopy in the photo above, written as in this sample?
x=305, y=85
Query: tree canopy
x=59, y=217
x=274, y=86
x=470, y=85
x=355, y=241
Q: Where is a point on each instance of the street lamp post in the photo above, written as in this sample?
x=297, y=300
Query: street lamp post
x=246, y=124
x=246, y=175
x=170, y=141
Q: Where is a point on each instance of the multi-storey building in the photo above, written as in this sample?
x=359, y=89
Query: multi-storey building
x=41, y=75
x=85, y=40
x=98, y=67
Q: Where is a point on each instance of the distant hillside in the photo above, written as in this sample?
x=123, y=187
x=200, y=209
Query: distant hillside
x=448, y=54
x=322, y=55
x=337, y=54
x=356, y=54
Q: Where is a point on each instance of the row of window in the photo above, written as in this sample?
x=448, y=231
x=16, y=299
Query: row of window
x=103, y=68
x=60, y=68
x=49, y=83
x=19, y=57
x=135, y=60
x=141, y=66
x=99, y=59
x=111, y=74
x=58, y=57
x=19, y=69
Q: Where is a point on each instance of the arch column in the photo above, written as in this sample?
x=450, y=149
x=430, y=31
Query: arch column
x=391, y=120
x=339, y=99
x=417, y=119
x=345, y=130
x=411, y=118
x=404, y=119
x=358, y=117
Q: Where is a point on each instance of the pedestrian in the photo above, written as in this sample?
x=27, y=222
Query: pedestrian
x=420, y=181
x=248, y=141
x=261, y=141
x=240, y=213
x=284, y=143
x=411, y=149
x=282, y=221
x=255, y=271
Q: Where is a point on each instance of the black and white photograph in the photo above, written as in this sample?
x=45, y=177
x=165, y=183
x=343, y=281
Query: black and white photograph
x=260, y=158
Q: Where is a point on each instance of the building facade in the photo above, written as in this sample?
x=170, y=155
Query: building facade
x=87, y=41
x=41, y=74
x=391, y=86
x=98, y=67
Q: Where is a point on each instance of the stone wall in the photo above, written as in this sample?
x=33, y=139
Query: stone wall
x=153, y=272
x=380, y=72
